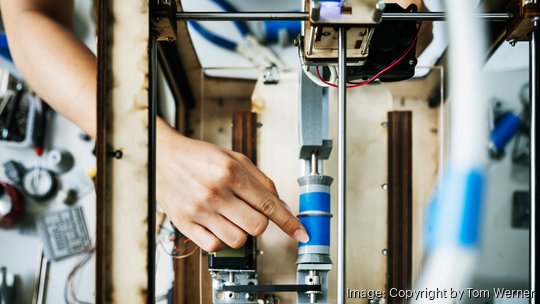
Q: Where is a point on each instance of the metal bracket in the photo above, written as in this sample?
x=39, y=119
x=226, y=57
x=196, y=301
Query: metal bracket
x=163, y=19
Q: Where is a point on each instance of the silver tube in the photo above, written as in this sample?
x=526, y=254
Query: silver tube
x=342, y=137
x=314, y=164
x=441, y=16
x=534, y=99
x=262, y=16
x=311, y=41
x=247, y=16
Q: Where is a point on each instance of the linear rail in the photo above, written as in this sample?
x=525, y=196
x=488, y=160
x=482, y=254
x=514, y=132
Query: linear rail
x=302, y=16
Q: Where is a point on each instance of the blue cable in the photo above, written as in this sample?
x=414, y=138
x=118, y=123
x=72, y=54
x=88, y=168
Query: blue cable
x=217, y=40
x=240, y=25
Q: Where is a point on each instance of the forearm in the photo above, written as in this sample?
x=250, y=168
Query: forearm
x=59, y=67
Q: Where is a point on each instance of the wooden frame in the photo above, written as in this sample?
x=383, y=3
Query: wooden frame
x=124, y=266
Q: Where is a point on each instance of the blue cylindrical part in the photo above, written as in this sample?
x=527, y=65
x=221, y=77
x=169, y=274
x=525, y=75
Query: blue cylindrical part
x=317, y=226
x=508, y=124
x=272, y=29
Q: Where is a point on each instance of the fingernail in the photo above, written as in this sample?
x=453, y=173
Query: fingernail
x=301, y=236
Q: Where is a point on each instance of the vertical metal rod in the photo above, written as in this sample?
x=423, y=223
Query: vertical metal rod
x=314, y=163
x=311, y=41
x=535, y=112
x=152, y=115
x=342, y=185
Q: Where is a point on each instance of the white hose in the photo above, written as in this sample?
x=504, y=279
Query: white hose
x=452, y=257
x=314, y=78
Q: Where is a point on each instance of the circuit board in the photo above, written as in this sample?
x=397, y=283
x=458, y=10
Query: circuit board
x=63, y=233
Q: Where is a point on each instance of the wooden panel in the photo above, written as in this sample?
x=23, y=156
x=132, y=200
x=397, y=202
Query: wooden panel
x=428, y=129
x=244, y=134
x=400, y=202
x=122, y=187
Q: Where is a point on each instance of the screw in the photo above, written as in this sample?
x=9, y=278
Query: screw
x=250, y=296
x=384, y=124
x=384, y=252
x=512, y=42
x=296, y=42
x=116, y=154
x=384, y=186
x=259, y=125
x=411, y=62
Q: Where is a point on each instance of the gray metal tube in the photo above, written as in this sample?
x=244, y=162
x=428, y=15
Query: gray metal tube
x=535, y=112
x=342, y=144
x=262, y=16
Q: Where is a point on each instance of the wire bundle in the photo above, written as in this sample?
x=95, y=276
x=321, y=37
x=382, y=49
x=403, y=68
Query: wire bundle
x=331, y=82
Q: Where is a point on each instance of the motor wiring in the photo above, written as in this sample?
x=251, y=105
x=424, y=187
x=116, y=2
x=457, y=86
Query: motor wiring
x=376, y=76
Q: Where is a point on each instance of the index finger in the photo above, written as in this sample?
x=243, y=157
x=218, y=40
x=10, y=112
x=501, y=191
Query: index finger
x=260, y=198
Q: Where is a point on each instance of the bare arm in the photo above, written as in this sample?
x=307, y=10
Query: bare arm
x=55, y=64
x=213, y=195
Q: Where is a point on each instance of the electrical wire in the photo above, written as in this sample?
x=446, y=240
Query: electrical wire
x=69, y=290
x=215, y=39
x=177, y=252
x=219, y=40
x=227, y=7
x=376, y=76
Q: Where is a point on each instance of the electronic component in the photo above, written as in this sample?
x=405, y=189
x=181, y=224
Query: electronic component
x=63, y=233
x=39, y=184
x=18, y=114
x=233, y=267
x=391, y=40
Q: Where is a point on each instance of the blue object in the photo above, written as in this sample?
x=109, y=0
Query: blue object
x=469, y=233
x=4, y=47
x=218, y=40
x=272, y=29
x=215, y=39
x=507, y=125
x=455, y=213
x=317, y=226
x=240, y=25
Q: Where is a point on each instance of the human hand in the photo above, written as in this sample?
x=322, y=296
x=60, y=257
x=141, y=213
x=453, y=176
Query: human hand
x=216, y=196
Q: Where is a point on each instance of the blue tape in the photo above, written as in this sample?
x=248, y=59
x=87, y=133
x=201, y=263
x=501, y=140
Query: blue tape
x=469, y=233
x=315, y=201
x=317, y=227
x=455, y=213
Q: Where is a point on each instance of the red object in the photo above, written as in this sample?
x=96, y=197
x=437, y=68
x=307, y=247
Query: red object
x=18, y=207
x=39, y=151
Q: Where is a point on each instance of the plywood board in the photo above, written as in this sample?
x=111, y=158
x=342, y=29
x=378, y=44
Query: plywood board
x=277, y=106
